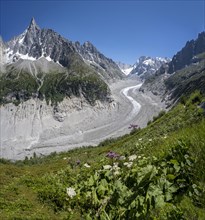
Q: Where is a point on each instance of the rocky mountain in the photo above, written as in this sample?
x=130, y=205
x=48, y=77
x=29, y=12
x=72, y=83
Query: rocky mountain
x=35, y=43
x=106, y=67
x=187, y=55
x=36, y=53
x=52, y=88
x=183, y=75
x=147, y=66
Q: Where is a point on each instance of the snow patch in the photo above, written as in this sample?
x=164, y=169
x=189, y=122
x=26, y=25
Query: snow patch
x=126, y=71
x=49, y=58
x=22, y=36
x=148, y=62
x=25, y=57
x=59, y=64
x=163, y=59
x=21, y=40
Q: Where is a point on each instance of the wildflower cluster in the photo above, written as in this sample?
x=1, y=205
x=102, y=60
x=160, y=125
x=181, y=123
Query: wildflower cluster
x=71, y=192
x=112, y=155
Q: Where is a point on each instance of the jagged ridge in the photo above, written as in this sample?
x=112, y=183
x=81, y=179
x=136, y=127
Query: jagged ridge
x=183, y=75
x=147, y=66
x=38, y=52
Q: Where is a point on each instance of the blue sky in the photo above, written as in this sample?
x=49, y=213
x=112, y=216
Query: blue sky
x=121, y=30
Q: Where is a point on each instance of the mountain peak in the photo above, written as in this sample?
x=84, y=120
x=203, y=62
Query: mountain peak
x=146, y=65
x=33, y=24
x=88, y=44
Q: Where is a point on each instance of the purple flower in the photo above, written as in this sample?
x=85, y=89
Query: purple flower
x=112, y=155
x=78, y=162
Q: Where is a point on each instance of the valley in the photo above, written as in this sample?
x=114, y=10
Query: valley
x=85, y=137
x=38, y=129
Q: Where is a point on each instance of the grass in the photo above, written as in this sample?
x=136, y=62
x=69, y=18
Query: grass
x=30, y=188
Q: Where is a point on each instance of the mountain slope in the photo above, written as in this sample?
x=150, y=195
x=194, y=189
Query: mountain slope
x=106, y=67
x=35, y=43
x=18, y=84
x=154, y=173
x=187, y=80
x=188, y=76
x=39, y=54
x=186, y=55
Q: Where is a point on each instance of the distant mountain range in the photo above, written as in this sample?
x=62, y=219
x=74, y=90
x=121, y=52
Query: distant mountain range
x=144, y=67
x=37, y=52
x=40, y=63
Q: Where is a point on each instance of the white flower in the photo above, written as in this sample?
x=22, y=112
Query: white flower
x=150, y=139
x=71, y=192
x=165, y=136
x=86, y=165
x=107, y=167
x=65, y=158
x=132, y=157
x=128, y=164
x=116, y=173
x=115, y=167
x=139, y=157
x=140, y=139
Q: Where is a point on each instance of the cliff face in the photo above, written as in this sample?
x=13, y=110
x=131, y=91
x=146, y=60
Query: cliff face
x=183, y=75
x=35, y=124
x=187, y=54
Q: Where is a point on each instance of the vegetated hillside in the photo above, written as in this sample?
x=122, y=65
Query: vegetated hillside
x=80, y=80
x=153, y=173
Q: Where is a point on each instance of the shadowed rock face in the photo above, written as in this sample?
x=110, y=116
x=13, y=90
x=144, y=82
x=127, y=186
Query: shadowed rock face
x=186, y=55
x=183, y=75
x=107, y=67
